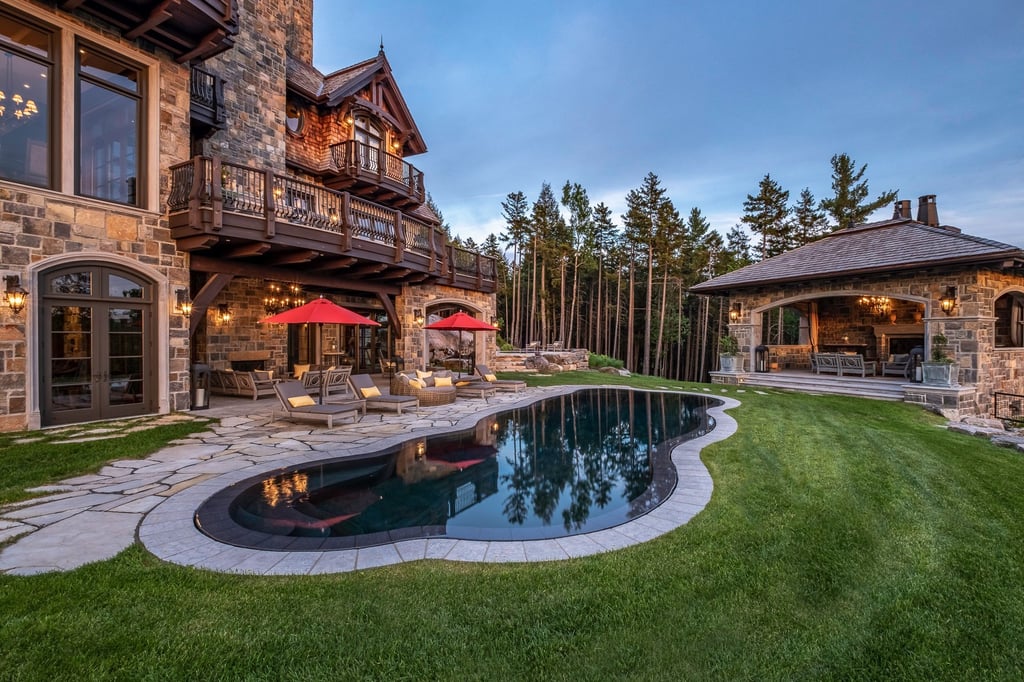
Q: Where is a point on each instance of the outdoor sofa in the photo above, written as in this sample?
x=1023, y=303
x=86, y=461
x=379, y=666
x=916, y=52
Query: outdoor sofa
x=424, y=385
x=254, y=384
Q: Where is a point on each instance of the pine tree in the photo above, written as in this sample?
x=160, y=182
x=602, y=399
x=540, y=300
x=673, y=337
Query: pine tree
x=810, y=221
x=641, y=218
x=767, y=215
x=846, y=207
x=516, y=212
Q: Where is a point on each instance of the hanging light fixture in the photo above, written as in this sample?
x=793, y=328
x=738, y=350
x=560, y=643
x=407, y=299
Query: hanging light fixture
x=15, y=294
x=878, y=305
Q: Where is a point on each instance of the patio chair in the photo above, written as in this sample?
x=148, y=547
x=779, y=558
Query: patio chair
x=511, y=385
x=363, y=387
x=336, y=383
x=298, y=404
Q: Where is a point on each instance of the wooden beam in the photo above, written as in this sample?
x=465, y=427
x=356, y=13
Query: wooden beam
x=372, y=269
x=206, y=44
x=334, y=263
x=296, y=257
x=197, y=242
x=248, y=250
x=303, y=276
x=396, y=274
x=159, y=15
x=206, y=296
x=389, y=308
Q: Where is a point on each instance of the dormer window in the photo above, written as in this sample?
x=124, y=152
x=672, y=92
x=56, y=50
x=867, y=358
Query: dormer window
x=295, y=118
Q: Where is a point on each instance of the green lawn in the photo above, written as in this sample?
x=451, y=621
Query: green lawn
x=846, y=539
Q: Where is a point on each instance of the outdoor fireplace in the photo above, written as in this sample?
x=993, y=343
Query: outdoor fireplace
x=247, y=365
x=248, y=361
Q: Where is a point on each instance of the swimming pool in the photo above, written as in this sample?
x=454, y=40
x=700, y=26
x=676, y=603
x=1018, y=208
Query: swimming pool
x=570, y=464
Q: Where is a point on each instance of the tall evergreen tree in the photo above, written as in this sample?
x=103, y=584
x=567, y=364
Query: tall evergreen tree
x=767, y=215
x=809, y=220
x=640, y=221
x=847, y=207
x=516, y=212
x=548, y=229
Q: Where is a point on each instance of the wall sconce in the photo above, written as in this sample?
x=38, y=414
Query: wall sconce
x=418, y=318
x=350, y=117
x=223, y=313
x=948, y=300
x=421, y=450
x=735, y=311
x=182, y=303
x=15, y=295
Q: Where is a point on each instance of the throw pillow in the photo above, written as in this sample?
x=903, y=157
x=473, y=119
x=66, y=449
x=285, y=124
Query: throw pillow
x=301, y=401
x=442, y=381
x=490, y=377
x=371, y=392
x=420, y=374
x=416, y=383
x=463, y=383
x=300, y=370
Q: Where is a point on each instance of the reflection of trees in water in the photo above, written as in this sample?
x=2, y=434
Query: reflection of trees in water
x=583, y=446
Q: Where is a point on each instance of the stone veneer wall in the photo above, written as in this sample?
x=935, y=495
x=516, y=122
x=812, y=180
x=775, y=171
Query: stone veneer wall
x=970, y=330
x=254, y=82
x=37, y=225
x=410, y=346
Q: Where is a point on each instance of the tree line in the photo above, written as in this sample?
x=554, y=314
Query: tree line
x=570, y=272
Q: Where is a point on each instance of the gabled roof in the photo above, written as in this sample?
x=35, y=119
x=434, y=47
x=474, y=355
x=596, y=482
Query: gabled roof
x=881, y=247
x=335, y=88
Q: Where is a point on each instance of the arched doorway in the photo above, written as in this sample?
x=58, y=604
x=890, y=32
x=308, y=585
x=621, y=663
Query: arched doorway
x=97, y=358
x=451, y=349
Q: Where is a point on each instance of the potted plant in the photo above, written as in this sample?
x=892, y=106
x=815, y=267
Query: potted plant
x=940, y=370
x=728, y=353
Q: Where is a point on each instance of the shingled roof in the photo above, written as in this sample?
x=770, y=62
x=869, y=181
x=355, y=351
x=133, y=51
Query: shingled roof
x=881, y=247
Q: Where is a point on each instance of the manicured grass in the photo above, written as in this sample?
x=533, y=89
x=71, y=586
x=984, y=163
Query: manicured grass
x=846, y=539
x=44, y=457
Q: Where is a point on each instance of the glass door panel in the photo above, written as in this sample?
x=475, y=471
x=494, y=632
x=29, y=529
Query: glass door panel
x=71, y=359
x=125, y=341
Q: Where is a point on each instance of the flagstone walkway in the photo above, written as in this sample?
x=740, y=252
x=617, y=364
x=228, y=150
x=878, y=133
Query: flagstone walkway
x=94, y=517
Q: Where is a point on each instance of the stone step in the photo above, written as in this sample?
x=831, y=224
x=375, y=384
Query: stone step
x=879, y=389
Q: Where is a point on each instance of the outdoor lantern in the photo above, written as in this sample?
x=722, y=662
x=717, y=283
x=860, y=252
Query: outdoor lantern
x=735, y=311
x=761, y=358
x=15, y=294
x=224, y=313
x=948, y=300
x=418, y=318
x=182, y=302
x=200, y=386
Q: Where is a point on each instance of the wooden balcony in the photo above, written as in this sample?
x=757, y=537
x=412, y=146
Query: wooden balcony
x=373, y=173
x=188, y=29
x=251, y=222
x=206, y=102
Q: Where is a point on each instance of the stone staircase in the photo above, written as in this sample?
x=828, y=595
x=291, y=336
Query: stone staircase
x=806, y=382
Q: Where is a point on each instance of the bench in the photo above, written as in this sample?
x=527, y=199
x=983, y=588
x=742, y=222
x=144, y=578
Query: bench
x=854, y=364
x=255, y=384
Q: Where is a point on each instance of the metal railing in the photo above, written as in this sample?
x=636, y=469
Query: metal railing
x=1009, y=406
x=370, y=160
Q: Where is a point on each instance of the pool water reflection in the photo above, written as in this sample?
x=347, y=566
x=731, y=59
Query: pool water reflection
x=564, y=465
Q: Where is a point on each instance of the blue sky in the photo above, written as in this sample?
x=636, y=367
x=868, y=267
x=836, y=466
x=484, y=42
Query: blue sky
x=710, y=95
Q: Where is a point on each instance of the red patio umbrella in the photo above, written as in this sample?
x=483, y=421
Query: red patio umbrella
x=461, y=322
x=320, y=311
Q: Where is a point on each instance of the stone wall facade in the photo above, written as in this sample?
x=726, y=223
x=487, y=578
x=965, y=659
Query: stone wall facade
x=44, y=228
x=412, y=345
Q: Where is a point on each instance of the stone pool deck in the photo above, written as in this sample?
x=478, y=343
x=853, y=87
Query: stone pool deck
x=94, y=517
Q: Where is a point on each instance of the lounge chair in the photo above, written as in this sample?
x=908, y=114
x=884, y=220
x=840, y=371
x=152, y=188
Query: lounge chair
x=298, y=404
x=363, y=387
x=513, y=385
x=336, y=383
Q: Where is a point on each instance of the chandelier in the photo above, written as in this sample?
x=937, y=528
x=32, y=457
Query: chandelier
x=282, y=296
x=21, y=107
x=878, y=305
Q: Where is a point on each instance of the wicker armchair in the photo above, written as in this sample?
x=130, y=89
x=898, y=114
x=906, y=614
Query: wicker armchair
x=429, y=395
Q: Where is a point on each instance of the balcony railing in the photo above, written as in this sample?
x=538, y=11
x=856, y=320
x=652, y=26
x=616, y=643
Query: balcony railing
x=206, y=93
x=205, y=190
x=362, y=161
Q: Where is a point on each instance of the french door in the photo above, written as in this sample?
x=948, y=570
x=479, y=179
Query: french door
x=97, y=332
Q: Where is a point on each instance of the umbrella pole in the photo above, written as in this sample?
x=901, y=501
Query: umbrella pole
x=320, y=353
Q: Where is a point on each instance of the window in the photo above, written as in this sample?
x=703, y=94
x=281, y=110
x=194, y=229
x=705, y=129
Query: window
x=25, y=76
x=295, y=118
x=109, y=107
x=370, y=142
x=1009, y=310
x=103, y=127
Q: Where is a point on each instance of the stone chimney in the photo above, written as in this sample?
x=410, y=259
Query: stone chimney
x=902, y=210
x=927, y=210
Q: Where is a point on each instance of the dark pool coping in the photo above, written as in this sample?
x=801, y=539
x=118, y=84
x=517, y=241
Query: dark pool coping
x=169, y=533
